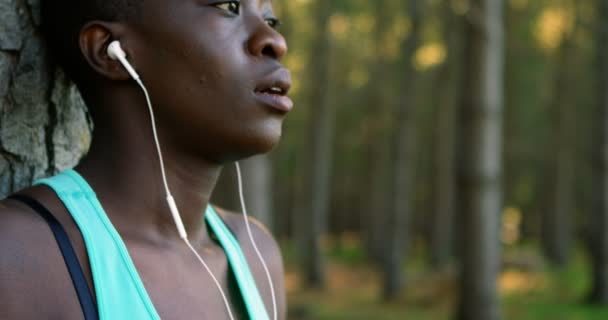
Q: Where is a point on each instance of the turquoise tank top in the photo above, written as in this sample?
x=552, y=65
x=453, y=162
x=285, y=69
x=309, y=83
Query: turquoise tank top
x=119, y=290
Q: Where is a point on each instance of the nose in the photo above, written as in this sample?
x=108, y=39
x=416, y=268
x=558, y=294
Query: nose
x=267, y=42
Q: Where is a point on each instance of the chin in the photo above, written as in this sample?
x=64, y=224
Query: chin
x=266, y=141
x=257, y=142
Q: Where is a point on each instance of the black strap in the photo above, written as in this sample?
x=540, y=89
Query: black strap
x=69, y=256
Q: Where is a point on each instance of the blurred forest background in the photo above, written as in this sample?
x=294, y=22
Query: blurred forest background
x=446, y=159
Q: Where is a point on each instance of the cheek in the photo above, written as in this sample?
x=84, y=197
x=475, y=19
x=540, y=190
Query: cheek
x=202, y=88
x=211, y=71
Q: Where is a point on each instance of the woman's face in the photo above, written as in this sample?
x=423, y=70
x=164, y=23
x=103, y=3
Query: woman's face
x=214, y=74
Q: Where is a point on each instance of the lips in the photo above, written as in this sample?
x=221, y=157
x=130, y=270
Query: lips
x=272, y=90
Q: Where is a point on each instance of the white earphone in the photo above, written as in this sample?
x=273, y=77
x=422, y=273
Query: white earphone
x=115, y=52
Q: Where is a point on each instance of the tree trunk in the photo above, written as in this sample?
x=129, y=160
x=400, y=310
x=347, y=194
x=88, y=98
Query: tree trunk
x=556, y=223
x=444, y=182
x=480, y=154
x=378, y=102
x=44, y=125
x=317, y=181
x=257, y=187
x=598, y=239
x=396, y=228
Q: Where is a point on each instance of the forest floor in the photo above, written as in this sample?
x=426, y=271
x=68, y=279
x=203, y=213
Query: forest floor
x=529, y=290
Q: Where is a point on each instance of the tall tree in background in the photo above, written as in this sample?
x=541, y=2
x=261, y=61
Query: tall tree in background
x=313, y=220
x=377, y=156
x=257, y=189
x=43, y=121
x=444, y=180
x=480, y=152
x=396, y=226
x=284, y=191
x=257, y=176
x=598, y=239
x=557, y=220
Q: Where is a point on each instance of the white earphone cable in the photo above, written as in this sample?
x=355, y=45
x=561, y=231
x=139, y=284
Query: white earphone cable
x=255, y=247
x=217, y=283
x=173, y=207
x=115, y=52
x=153, y=120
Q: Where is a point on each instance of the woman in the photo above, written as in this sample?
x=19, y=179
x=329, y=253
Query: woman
x=213, y=72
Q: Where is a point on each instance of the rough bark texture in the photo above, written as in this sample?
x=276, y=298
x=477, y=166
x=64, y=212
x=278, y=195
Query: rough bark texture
x=598, y=240
x=480, y=154
x=43, y=121
x=317, y=182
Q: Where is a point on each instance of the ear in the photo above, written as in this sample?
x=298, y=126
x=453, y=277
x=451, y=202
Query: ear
x=94, y=39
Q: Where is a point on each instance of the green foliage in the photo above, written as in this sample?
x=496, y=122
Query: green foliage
x=561, y=298
x=559, y=294
x=347, y=254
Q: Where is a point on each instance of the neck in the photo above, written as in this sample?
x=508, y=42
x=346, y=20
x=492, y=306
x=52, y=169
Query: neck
x=123, y=168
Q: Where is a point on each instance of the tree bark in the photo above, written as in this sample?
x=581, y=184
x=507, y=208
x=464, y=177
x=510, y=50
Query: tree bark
x=396, y=228
x=480, y=154
x=44, y=125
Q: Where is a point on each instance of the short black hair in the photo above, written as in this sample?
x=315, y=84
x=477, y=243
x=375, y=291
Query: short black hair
x=62, y=21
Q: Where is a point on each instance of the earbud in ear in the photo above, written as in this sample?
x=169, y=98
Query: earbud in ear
x=115, y=52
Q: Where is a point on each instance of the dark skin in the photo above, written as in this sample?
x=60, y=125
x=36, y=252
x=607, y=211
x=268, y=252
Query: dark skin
x=203, y=63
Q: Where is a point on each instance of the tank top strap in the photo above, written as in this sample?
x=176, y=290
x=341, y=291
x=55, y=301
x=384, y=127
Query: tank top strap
x=240, y=267
x=119, y=290
x=85, y=297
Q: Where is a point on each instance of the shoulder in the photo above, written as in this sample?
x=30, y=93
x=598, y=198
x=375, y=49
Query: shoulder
x=269, y=249
x=264, y=239
x=29, y=265
x=23, y=236
x=266, y=243
x=236, y=222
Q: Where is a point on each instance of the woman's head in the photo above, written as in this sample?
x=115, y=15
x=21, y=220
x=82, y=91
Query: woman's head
x=212, y=67
x=62, y=21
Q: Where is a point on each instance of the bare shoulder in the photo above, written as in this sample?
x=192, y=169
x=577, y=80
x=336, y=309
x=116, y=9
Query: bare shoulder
x=264, y=239
x=236, y=222
x=270, y=250
x=29, y=265
x=21, y=232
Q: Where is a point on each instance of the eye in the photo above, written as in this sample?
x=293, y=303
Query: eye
x=273, y=22
x=233, y=7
